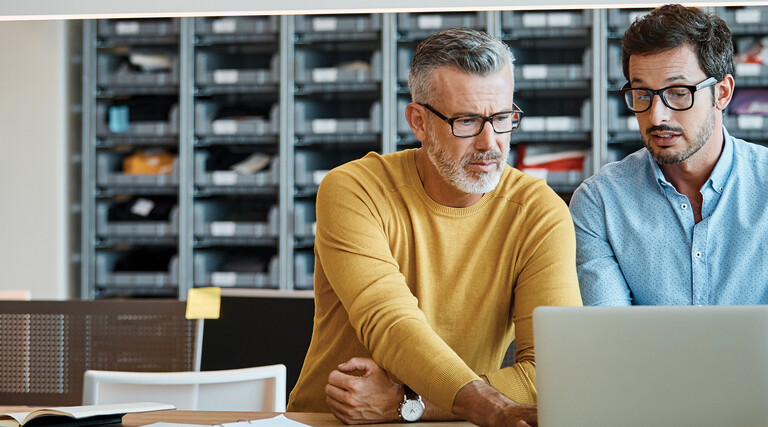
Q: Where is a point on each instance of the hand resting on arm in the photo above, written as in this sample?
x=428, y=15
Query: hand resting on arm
x=361, y=392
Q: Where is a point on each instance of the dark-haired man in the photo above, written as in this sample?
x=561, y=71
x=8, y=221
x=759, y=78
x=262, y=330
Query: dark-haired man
x=683, y=221
x=429, y=262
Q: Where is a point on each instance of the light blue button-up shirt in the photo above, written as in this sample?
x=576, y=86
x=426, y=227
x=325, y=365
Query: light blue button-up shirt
x=638, y=243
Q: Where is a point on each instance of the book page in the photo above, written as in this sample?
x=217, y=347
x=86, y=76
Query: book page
x=12, y=419
x=78, y=412
x=114, y=408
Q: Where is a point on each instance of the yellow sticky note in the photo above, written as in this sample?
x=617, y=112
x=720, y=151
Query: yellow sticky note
x=204, y=303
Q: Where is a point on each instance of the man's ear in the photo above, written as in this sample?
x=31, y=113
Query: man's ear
x=417, y=120
x=724, y=92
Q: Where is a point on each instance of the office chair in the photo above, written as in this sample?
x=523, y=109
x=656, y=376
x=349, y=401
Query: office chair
x=247, y=389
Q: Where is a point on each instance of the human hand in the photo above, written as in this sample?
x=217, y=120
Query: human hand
x=368, y=397
x=483, y=405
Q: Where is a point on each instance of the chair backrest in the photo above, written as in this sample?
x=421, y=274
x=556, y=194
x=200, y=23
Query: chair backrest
x=247, y=389
x=46, y=346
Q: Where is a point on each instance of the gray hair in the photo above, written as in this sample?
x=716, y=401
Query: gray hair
x=471, y=51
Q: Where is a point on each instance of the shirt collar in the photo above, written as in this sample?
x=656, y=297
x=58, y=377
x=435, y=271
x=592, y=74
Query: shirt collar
x=722, y=169
x=719, y=174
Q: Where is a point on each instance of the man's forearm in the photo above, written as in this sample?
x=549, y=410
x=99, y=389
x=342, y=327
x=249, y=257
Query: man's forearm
x=483, y=405
x=433, y=413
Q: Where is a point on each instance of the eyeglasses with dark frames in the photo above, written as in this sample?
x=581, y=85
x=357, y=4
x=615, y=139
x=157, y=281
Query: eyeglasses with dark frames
x=677, y=98
x=471, y=125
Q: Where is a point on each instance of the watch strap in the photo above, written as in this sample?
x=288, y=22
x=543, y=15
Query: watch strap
x=410, y=394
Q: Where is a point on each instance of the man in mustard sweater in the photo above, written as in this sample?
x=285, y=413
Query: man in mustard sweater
x=430, y=261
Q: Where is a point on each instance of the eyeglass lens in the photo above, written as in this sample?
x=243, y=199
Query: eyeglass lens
x=471, y=126
x=676, y=98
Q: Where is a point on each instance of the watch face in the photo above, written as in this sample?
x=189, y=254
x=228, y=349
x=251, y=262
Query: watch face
x=412, y=410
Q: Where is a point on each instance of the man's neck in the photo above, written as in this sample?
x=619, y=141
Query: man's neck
x=690, y=175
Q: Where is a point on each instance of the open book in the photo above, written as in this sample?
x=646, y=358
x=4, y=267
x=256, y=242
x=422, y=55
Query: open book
x=89, y=415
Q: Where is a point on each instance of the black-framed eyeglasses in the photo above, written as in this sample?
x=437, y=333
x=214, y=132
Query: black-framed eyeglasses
x=678, y=97
x=472, y=124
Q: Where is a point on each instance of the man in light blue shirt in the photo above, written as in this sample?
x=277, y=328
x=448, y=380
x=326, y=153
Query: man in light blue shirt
x=685, y=219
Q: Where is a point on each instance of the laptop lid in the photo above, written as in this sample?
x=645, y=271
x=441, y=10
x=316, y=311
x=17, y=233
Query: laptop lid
x=652, y=366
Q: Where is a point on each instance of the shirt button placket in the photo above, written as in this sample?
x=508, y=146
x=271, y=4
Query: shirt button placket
x=699, y=264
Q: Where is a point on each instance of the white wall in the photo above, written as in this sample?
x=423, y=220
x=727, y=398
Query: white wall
x=33, y=172
x=58, y=9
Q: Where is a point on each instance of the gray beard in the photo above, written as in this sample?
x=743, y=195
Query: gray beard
x=456, y=174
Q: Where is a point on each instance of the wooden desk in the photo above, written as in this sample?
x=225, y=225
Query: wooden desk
x=215, y=417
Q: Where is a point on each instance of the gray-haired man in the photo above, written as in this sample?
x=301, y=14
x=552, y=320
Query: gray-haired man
x=429, y=262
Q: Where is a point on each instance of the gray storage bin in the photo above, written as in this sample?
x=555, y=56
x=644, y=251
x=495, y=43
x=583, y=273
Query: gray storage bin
x=225, y=178
x=106, y=276
x=312, y=166
x=314, y=67
x=207, y=273
x=304, y=270
x=404, y=61
x=615, y=72
x=560, y=124
x=570, y=179
x=743, y=19
x=311, y=119
x=106, y=228
x=213, y=219
x=139, y=128
x=402, y=122
x=745, y=123
x=114, y=70
x=238, y=25
x=750, y=71
x=620, y=19
x=550, y=72
x=109, y=174
x=206, y=123
x=619, y=117
x=304, y=219
x=338, y=23
x=225, y=69
x=434, y=21
x=138, y=27
x=544, y=23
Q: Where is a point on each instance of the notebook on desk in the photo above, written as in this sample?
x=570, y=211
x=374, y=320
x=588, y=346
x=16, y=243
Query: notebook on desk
x=652, y=366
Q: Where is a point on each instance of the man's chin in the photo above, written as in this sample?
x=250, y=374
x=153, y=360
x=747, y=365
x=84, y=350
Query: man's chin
x=483, y=183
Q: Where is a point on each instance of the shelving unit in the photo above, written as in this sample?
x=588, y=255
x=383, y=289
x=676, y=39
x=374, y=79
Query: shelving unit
x=623, y=132
x=553, y=85
x=236, y=152
x=130, y=151
x=746, y=116
x=247, y=114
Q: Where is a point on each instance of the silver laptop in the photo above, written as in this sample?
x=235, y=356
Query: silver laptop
x=652, y=366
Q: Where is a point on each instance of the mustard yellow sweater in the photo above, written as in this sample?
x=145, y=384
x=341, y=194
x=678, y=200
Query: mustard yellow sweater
x=434, y=294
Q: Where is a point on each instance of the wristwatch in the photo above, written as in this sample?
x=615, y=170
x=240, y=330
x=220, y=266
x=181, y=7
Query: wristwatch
x=412, y=407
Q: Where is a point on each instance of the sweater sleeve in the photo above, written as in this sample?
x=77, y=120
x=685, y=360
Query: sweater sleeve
x=547, y=277
x=352, y=245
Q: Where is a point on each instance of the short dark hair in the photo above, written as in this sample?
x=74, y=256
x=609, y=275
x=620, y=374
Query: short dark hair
x=673, y=25
x=468, y=50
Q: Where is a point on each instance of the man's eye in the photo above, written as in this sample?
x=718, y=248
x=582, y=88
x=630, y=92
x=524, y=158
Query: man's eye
x=502, y=118
x=642, y=96
x=677, y=93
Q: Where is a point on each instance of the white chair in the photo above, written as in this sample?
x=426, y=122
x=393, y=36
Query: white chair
x=248, y=389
